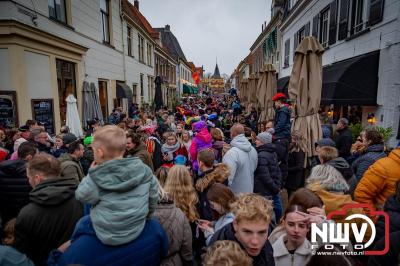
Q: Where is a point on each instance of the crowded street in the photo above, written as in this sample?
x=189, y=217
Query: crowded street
x=119, y=148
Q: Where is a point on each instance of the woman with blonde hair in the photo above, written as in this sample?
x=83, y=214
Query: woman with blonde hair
x=171, y=149
x=297, y=149
x=180, y=189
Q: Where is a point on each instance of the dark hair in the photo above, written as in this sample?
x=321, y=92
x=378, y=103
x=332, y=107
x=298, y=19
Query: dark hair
x=136, y=138
x=25, y=149
x=72, y=147
x=305, y=198
x=374, y=136
x=222, y=195
x=44, y=164
x=30, y=122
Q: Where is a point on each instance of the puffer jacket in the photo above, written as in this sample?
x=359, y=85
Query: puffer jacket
x=379, y=181
x=201, y=141
x=14, y=188
x=177, y=228
x=282, y=123
x=123, y=192
x=371, y=155
x=392, y=208
x=267, y=176
x=242, y=161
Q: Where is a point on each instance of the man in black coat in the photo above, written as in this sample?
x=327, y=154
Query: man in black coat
x=250, y=228
x=14, y=185
x=49, y=219
x=344, y=139
x=267, y=176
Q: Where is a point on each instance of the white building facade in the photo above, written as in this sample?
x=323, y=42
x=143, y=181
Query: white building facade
x=362, y=43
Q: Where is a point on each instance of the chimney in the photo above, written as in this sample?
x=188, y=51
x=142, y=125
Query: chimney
x=136, y=4
x=167, y=28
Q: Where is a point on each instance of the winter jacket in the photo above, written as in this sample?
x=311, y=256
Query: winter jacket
x=48, y=220
x=113, y=118
x=242, y=162
x=379, y=181
x=267, y=176
x=58, y=152
x=392, y=256
x=392, y=208
x=343, y=142
x=218, y=174
x=265, y=258
x=87, y=159
x=147, y=249
x=11, y=257
x=42, y=148
x=282, y=256
x=202, y=140
x=14, y=188
x=295, y=177
x=177, y=227
x=141, y=152
x=344, y=168
x=123, y=193
x=70, y=167
x=282, y=123
x=371, y=155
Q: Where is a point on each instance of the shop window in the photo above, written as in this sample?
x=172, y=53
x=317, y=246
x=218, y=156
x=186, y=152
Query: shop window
x=103, y=97
x=105, y=24
x=57, y=10
x=66, y=82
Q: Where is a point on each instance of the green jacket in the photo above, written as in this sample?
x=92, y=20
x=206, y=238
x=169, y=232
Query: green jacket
x=123, y=192
x=70, y=167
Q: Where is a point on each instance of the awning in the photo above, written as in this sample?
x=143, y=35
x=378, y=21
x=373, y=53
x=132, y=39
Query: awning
x=187, y=89
x=282, y=85
x=195, y=90
x=123, y=91
x=351, y=82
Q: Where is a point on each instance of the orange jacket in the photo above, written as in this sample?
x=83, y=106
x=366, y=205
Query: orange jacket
x=379, y=181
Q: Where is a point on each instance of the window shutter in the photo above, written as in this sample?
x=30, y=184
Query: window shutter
x=332, y=22
x=375, y=12
x=307, y=29
x=295, y=42
x=343, y=19
x=315, y=27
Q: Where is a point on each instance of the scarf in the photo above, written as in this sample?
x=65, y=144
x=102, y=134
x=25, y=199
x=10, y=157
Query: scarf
x=170, y=149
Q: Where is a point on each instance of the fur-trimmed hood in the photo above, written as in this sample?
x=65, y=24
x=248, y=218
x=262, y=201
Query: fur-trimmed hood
x=219, y=174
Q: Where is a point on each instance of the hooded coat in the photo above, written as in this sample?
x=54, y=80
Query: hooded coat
x=123, y=193
x=202, y=140
x=267, y=176
x=371, y=155
x=14, y=188
x=48, y=220
x=379, y=181
x=70, y=167
x=242, y=161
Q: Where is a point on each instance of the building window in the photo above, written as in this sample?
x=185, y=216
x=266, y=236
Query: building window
x=287, y=53
x=66, y=84
x=134, y=92
x=141, y=85
x=105, y=25
x=129, y=39
x=324, y=28
x=149, y=55
x=359, y=15
x=141, y=48
x=57, y=10
x=103, y=97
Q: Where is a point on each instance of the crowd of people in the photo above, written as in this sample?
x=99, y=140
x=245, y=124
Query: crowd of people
x=205, y=184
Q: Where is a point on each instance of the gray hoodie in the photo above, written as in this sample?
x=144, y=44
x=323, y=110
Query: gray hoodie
x=242, y=162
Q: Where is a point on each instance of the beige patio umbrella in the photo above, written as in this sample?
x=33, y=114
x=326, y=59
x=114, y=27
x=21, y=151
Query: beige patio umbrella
x=244, y=91
x=305, y=90
x=252, y=92
x=266, y=89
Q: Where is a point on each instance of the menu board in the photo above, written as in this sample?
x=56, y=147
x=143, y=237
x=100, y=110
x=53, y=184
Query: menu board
x=8, y=109
x=43, y=111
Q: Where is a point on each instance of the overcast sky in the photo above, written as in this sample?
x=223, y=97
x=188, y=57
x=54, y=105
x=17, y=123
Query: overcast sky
x=210, y=28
